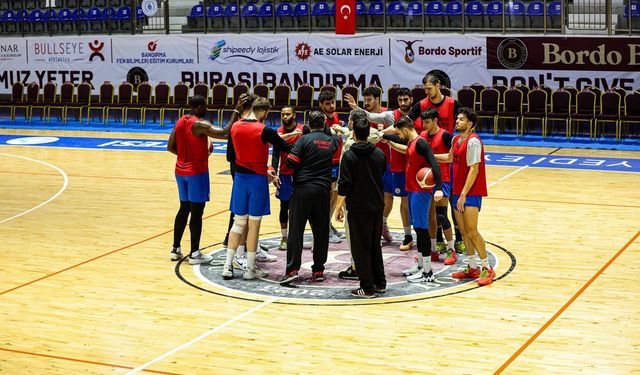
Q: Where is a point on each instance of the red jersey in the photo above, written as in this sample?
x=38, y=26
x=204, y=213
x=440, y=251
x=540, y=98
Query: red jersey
x=398, y=159
x=251, y=152
x=415, y=162
x=284, y=170
x=384, y=147
x=461, y=169
x=446, y=117
x=438, y=147
x=334, y=119
x=193, y=152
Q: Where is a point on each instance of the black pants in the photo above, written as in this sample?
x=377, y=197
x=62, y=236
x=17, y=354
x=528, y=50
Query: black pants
x=365, y=229
x=310, y=204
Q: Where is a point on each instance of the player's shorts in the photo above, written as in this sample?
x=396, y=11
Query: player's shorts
x=335, y=172
x=387, y=180
x=471, y=201
x=419, y=203
x=194, y=188
x=286, y=187
x=250, y=195
x=399, y=181
x=446, y=189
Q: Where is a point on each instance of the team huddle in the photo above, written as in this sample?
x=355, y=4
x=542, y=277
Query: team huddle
x=353, y=173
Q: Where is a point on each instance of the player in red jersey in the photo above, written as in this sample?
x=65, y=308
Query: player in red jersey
x=469, y=186
x=290, y=131
x=447, y=108
x=189, y=141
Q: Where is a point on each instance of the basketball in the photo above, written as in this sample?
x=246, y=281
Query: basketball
x=425, y=178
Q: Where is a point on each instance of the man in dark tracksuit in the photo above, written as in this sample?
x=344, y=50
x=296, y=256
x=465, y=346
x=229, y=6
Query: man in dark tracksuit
x=360, y=183
x=310, y=159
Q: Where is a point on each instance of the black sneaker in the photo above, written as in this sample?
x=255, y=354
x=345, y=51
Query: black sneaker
x=361, y=293
x=289, y=277
x=348, y=274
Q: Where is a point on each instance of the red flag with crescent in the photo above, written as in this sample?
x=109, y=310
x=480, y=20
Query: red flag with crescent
x=345, y=16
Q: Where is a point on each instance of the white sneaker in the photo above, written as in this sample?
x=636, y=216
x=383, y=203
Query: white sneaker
x=227, y=273
x=334, y=239
x=412, y=271
x=263, y=256
x=239, y=263
x=254, y=273
x=200, y=258
x=176, y=254
x=422, y=277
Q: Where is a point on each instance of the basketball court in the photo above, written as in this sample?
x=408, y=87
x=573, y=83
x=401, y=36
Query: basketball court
x=87, y=285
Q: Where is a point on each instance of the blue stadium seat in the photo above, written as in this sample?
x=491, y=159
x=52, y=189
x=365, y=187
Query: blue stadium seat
x=215, y=15
x=284, y=15
x=395, y=14
x=413, y=12
x=321, y=15
x=474, y=12
x=453, y=11
x=9, y=22
x=632, y=17
x=195, y=19
x=301, y=13
x=515, y=14
x=265, y=15
x=36, y=20
x=535, y=12
x=96, y=19
x=50, y=18
x=494, y=12
x=123, y=17
x=434, y=11
x=65, y=20
x=231, y=16
x=554, y=13
x=249, y=14
x=376, y=12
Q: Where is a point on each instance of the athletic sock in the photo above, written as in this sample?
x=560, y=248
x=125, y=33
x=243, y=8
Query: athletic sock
x=472, y=261
x=284, y=232
x=384, y=220
x=407, y=230
x=230, y=254
x=450, y=244
x=251, y=259
x=485, y=262
x=426, y=267
x=420, y=260
x=433, y=245
x=241, y=250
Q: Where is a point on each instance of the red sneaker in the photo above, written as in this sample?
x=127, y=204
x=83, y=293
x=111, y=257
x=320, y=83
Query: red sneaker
x=318, y=276
x=486, y=276
x=435, y=256
x=451, y=258
x=467, y=273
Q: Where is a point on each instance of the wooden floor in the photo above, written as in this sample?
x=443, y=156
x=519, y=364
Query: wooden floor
x=86, y=286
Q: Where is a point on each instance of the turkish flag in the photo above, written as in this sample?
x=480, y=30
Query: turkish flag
x=345, y=16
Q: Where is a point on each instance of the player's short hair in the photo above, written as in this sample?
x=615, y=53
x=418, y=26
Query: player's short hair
x=197, y=101
x=357, y=114
x=251, y=98
x=374, y=91
x=261, y=104
x=404, y=91
x=404, y=122
x=361, y=128
x=292, y=108
x=470, y=114
x=431, y=78
x=430, y=113
x=326, y=96
x=316, y=120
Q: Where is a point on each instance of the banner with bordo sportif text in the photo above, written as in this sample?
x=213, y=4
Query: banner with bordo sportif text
x=323, y=59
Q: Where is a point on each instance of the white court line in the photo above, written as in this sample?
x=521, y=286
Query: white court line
x=64, y=185
x=204, y=335
x=507, y=176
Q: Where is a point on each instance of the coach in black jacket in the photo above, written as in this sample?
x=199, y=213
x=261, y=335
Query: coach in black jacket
x=360, y=183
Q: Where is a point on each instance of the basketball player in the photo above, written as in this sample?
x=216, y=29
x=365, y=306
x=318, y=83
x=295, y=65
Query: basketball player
x=327, y=101
x=360, y=184
x=292, y=131
x=469, y=186
x=447, y=108
x=419, y=155
x=311, y=160
x=189, y=142
x=250, y=192
x=398, y=159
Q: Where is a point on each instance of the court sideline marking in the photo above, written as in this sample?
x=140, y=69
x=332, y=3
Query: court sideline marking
x=62, y=189
x=565, y=307
x=202, y=336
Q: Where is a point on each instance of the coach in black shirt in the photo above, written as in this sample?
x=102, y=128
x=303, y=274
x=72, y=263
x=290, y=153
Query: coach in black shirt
x=360, y=184
x=310, y=159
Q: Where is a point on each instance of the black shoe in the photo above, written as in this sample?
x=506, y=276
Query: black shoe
x=361, y=293
x=348, y=274
x=407, y=239
x=380, y=290
x=289, y=277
